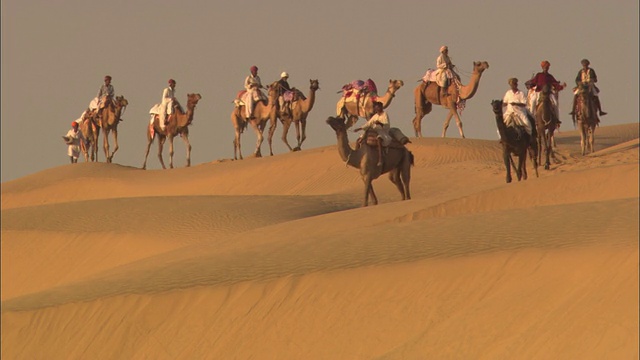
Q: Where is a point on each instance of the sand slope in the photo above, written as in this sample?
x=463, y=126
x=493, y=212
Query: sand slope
x=274, y=258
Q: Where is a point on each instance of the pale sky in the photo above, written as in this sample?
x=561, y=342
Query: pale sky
x=56, y=53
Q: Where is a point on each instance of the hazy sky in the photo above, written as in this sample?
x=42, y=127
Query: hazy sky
x=56, y=53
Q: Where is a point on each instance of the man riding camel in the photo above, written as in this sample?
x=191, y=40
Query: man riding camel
x=587, y=77
x=106, y=92
x=253, y=85
x=538, y=82
x=445, y=70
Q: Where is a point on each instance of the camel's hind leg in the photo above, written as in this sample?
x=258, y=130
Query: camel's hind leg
x=171, y=151
x=285, y=130
x=368, y=191
x=161, y=141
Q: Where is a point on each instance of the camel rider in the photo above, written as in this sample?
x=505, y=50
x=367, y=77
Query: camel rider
x=253, y=85
x=445, y=70
x=515, y=109
x=106, y=91
x=167, y=102
x=587, y=76
x=379, y=122
x=540, y=80
x=284, y=91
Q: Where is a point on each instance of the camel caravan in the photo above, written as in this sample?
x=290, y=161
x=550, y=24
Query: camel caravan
x=525, y=123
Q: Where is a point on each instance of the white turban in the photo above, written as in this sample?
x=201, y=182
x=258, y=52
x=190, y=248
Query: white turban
x=284, y=75
x=443, y=48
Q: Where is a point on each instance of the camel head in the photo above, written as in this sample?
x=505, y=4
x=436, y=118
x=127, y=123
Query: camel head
x=497, y=107
x=480, y=66
x=395, y=85
x=337, y=123
x=192, y=100
x=272, y=92
x=315, y=85
x=120, y=100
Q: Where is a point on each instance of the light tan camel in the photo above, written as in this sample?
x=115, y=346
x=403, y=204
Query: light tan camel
x=262, y=112
x=427, y=94
x=299, y=110
x=90, y=130
x=353, y=110
x=110, y=114
x=546, y=124
x=178, y=124
x=397, y=161
x=586, y=117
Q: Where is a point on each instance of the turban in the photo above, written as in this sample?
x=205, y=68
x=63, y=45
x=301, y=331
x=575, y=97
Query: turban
x=74, y=124
x=512, y=80
x=443, y=48
x=284, y=75
x=585, y=62
x=171, y=81
x=254, y=68
x=545, y=63
x=107, y=77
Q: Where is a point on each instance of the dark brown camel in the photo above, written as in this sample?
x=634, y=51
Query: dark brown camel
x=514, y=144
x=397, y=161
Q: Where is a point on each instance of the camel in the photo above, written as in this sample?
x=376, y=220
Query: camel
x=178, y=124
x=512, y=145
x=427, y=94
x=397, y=161
x=110, y=113
x=546, y=124
x=353, y=110
x=262, y=112
x=300, y=108
x=586, y=117
x=90, y=130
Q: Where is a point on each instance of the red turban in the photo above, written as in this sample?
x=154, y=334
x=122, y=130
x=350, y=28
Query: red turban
x=107, y=77
x=74, y=124
x=545, y=63
x=254, y=68
x=171, y=81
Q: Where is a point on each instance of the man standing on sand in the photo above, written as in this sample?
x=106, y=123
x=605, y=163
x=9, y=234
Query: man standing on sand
x=73, y=139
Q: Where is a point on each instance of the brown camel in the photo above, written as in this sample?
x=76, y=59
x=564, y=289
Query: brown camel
x=353, y=110
x=427, y=94
x=514, y=144
x=262, y=112
x=300, y=109
x=546, y=124
x=90, y=130
x=397, y=161
x=586, y=115
x=110, y=116
x=178, y=124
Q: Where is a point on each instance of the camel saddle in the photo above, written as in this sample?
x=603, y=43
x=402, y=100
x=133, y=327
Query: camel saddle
x=398, y=139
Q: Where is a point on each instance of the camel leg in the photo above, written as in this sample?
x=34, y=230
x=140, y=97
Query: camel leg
x=149, y=142
x=285, y=130
x=592, y=131
x=459, y=123
x=161, y=141
x=522, y=165
x=417, y=121
x=394, y=176
x=583, y=144
x=303, y=130
x=368, y=191
x=105, y=145
x=236, y=146
x=273, y=124
x=547, y=151
x=171, y=151
x=115, y=146
x=258, y=129
x=446, y=123
x=187, y=144
x=297, y=126
x=506, y=156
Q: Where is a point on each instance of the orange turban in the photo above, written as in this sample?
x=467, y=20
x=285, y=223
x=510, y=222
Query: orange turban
x=545, y=63
x=74, y=124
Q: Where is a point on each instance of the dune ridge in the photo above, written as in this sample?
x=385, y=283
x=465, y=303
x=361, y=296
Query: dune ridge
x=274, y=258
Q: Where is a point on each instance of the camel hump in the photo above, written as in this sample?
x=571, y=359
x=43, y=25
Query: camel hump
x=240, y=94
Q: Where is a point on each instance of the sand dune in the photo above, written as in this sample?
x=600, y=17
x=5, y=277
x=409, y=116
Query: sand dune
x=274, y=258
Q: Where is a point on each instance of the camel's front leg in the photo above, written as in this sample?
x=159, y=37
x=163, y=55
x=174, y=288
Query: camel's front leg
x=171, y=151
x=592, y=131
x=506, y=156
x=394, y=176
x=273, y=124
x=161, y=141
x=236, y=146
x=149, y=142
x=303, y=135
x=105, y=145
x=185, y=138
x=258, y=129
x=459, y=123
x=115, y=141
x=285, y=130
x=417, y=121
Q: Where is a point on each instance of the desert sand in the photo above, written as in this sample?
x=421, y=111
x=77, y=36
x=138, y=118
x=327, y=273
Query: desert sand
x=274, y=258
